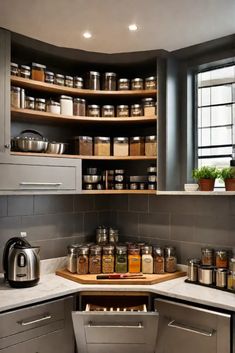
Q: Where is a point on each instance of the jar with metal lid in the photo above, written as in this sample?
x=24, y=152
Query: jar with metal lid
x=68, y=81
x=59, y=79
x=152, y=186
x=93, y=110
x=53, y=107
x=95, y=259
x=72, y=258
x=137, y=146
x=66, y=104
x=151, y=145
x=121, y=146
x=207, y=257
x=133, y=186
x=152, y=174
x=136, y=110
x=221, y=259
x=221, y=277
x=232, y=264
x=170, y=259
x=29, y=102
x=113, y=235
x=93, y=80
x=110, y=80
x=158, y=260
x=15, y=97
x=119, y=176
x=83, y=145
x=147, y=259
x=83, y=260
x=137, y=84
x=89, y=187
x=134, y=260
x=102, y=234
x=14, y=69
x=108, y=259
x=38, y=72
x=231, y=280
x=108, y=111
x=78, y=82
x=49, y=77
x=149, y=106
x=40, y=104
x=79, y=107
x=122, y=111
x=193, y=269
x=25, y=71
x=123, y=84
x=150, y=82
x=102, y=146
x=121, y=259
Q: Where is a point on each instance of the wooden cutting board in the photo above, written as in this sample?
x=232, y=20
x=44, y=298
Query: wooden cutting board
x=91, y=279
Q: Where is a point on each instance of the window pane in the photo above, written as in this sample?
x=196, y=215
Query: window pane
x=214, y=151
x=221, y=136
x=221, y=94
x=205, y=115
x=221, y=115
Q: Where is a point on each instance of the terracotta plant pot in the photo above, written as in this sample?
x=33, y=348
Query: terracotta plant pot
x=206, y=184
x=229, y=184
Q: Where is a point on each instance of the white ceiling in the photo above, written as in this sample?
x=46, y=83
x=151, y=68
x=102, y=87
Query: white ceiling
x=163, y=24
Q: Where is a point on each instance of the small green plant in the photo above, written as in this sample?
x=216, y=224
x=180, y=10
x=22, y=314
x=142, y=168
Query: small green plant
x=205, y=173
x=227, y=173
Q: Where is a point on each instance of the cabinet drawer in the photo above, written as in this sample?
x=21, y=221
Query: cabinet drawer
x=22, y=177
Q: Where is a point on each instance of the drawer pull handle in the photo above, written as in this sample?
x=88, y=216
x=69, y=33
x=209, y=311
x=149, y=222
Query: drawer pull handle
x=138, y=325
x=44, y=318
x=192, y=329
x=37, y=184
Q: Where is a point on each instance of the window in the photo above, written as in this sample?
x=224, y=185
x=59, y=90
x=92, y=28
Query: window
x=216, y=117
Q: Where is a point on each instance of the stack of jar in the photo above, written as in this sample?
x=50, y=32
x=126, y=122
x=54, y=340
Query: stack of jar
x=215, y=268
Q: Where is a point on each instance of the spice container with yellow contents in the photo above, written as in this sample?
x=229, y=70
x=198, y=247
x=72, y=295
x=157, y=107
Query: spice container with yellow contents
x=102, y=146
x=108, y=259
x=134, y=260
x=95, y=259
x=83, y=260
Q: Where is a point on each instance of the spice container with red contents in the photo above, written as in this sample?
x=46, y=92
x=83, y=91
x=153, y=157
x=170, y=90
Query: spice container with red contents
x=120, y=146
x=158, y=260
x=170, y=259
x=134, y=260
x=137, y=146
x=83, y=260
x=221, y=259
x=83, y=145
x=95, y=259
x=38, y=72
x=110, y=81
x=207, y=257
x=108, y=259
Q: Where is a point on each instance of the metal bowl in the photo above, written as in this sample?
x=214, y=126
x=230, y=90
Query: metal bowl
x=56, y=147
x=30, y=141
x=91, y=179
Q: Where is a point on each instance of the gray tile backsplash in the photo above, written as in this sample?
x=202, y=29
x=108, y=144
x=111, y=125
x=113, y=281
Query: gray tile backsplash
x=186, y=222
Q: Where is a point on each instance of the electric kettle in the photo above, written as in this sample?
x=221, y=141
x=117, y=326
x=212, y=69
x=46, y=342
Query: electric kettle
x=21, y=263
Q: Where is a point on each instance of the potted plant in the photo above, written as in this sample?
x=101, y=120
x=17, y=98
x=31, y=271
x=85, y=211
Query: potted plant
x=206, y=177
x=228, y=176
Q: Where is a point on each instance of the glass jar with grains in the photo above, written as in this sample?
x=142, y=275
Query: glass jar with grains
x=137, y=146
x=95, y=259
x=15, y=97
x=108, y=111
x=137, y=84
x=207, y=257
x=109, y=83
x=102, y=146
x=93, y=80
x=121, y=259
x=72, y=258
x=147, y=259
x=83, y=145
x=93, y=110
x=151, y=145
x=120, y=146
x=83, y=260
x=149, y=106
x=170, y=259
x=79, y=107
x=108, y=259
x=151, y=82
x=134, y=260
x=158, y=260
x=122, y=111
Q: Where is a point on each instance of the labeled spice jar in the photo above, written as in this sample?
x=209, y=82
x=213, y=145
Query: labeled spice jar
x=137, y=146
x=158, y=260
x=14, y=69
x=40, y=104
x=102, y=234
x=134, y=260
x=49, y=77
x=151, y=145
x=25, y=71
x=121, y=259
x=38, y=72
x=93, y=110
x=15, y=97
x=59, y=79
x=68, y=81
x=150, y=82
x=149, y=106
x=221, y=259
x=113, y=235
x=122, y=111
x=207, y=257
x=121, y=146
x=137, y=83
x=83, y=260
x=95, y=259
x=110, y=81
x=29, y=102
x=136, y=110
x=66, y=105
x=119, y=176
x=79, y=107
x=152, y=174
x=108, y=111
x=102, y=146
x=123, y=84
x=170, y=259
x=108, y=259
x=72, y=258
x=53, y=107
x=93, y=80
x=84, y=145
x=133, y=186
x=147, y=259
x=232, y=264
x=78, y=82
x=119, y=186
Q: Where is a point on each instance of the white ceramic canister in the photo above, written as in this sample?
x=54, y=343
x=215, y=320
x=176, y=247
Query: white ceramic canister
x=66, y=104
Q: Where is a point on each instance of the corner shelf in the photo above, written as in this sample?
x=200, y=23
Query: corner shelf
x=119, y=192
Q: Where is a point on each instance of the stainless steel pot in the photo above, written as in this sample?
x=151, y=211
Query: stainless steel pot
x=91, y=179
x=30, y=141
x=56, y=147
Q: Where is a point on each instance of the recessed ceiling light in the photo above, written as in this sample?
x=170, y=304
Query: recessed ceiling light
x=87, y=35
x=133, y=27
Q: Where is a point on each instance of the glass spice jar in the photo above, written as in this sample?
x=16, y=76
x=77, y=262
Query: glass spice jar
x=232, y=264
x=108, y=259
x=147, y=259
x=72, y=258
x=93, y=110
x=79, y=107
x=120, y=146
x=108, y=111
x=83, y=260
x=158, y=260
x=78, y=82
x=95, y=259
x=113, y=235
x=119, y=176
x=151, y=145
x=53, y=107
x=123, y=84
x=134, y=260
x=152, y=174
x=137, y=84
x=29, y=102
x=170, y=259
x=25, y=71
x=207, y=257
x=136, y=110
x=150, y=82
x=121, y=259
x=68, y=81
x=49, y=77
x=38, y=72
x=102, y=146
x=40, y=104
x=137, y=146
x=110, y=80
x=102, y=235
x=149, y=106
x=93, y=80
x=221, y=259
x=122, y=111
x=84, y=145
x=15, y=97
x=59, y=80
x=14, y=69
